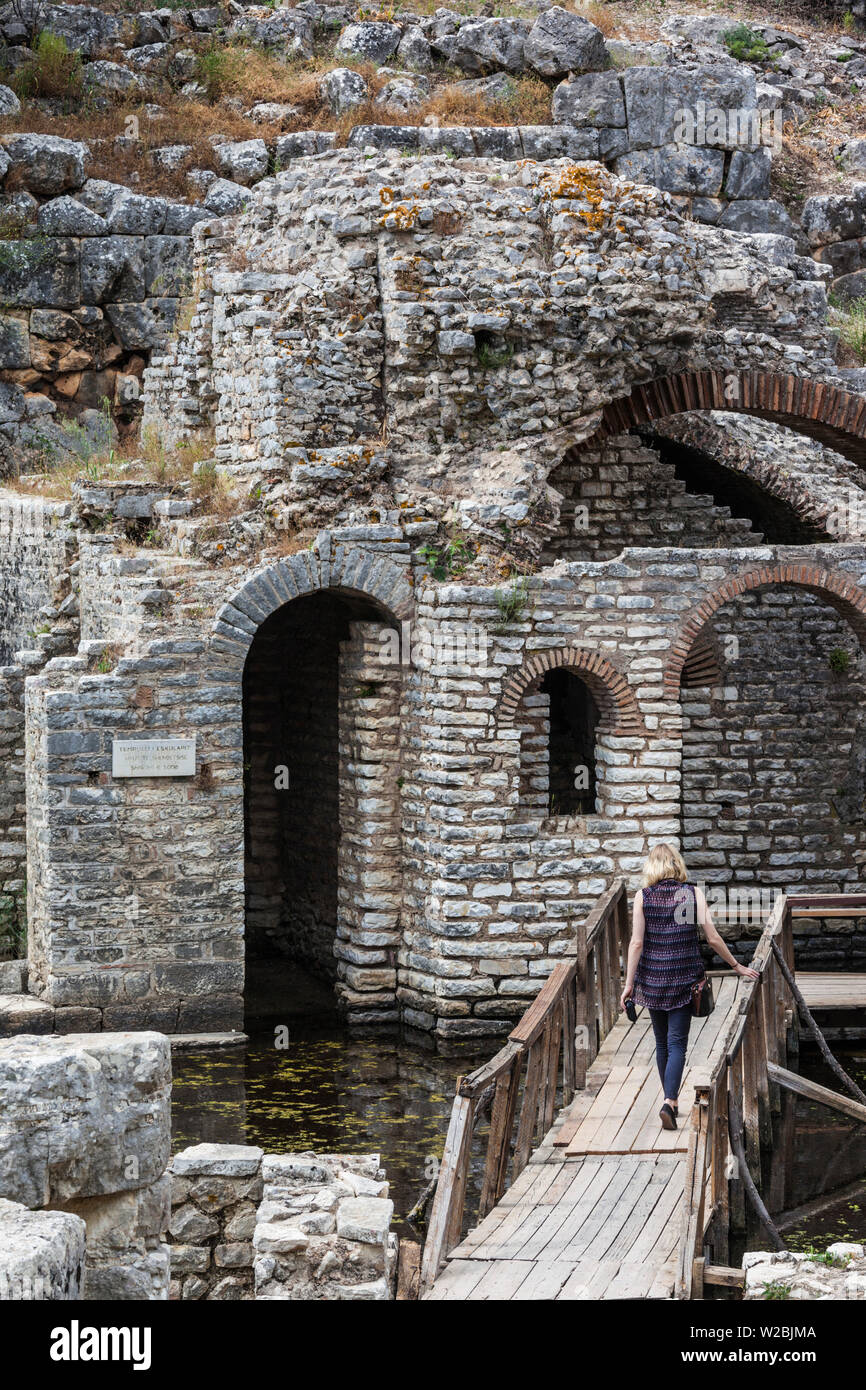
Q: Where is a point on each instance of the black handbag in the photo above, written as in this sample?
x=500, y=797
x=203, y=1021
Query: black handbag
x=703, y=1001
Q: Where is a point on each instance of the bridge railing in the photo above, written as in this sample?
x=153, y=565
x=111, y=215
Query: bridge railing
x=544, y=1059
x=736, y=1094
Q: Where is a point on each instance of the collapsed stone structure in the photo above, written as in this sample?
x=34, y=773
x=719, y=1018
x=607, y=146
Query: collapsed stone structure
x=85, y=1142
x=483, y=635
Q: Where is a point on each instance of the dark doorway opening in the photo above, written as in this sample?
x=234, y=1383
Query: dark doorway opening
x=292, y=806
x=574, y=718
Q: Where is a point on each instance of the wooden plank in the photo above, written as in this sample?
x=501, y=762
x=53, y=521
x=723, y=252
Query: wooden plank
x=447, y=1190
x=538, y=1241
x=528, y=1121
x=478, y=1080
x=499, y=1140
x=551, y=1068
x=588, y=1281
x=537, y=1015
x=408, y=1271
x=502, y=1279
x=544, y=1281
x=456, y=1281
x=832, y=991
x=820, y=1094
x=582, y=1058
x=724, y=1276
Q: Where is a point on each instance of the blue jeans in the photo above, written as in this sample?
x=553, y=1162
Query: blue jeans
x=671, y=1028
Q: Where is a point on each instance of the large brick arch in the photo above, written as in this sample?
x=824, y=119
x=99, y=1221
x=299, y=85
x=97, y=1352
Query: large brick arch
x=832, y=586
x=830, y=414
x=340, y=569
x=610, y=689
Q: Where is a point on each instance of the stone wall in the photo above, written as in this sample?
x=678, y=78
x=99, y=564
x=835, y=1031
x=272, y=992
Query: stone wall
x=773, y=761
x=85, y=1131
x=290, y=1226
x=41, y=1254
x=39, y=548
x=491, y=888
x=93, y=280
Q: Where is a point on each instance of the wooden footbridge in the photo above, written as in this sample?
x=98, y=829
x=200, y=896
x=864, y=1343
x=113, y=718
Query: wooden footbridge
x=598, y=1201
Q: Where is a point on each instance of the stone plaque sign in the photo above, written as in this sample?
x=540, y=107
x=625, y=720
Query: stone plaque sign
x=153, y=757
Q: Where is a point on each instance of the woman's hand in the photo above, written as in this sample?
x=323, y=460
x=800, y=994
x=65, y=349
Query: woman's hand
x=626, y=994
x=747, y=972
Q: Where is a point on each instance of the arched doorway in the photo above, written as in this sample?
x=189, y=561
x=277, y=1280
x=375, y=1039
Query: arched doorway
x=772, y=685
x=321, y=701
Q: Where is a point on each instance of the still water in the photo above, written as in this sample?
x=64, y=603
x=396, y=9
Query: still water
x=335, y=1092
x=829, y=1156
x=329, y=1092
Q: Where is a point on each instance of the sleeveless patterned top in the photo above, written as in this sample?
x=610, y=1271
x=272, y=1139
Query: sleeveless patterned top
x=671, y=959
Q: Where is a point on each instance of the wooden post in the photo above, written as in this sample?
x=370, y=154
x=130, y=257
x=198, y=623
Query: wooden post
x=499, y=1141
x=581, y=1015
x=449, y=1191
x=736, y=1191
x=528, y=1121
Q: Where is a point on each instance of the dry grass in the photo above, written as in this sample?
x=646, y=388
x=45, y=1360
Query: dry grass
x=212, y=491
x=602, y=16
x=800, y=170
x=132, y=460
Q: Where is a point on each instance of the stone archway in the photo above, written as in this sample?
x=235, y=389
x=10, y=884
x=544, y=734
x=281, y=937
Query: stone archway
x=612, y=692
x=549, y=756
x=321, y=703
x=835, y=587
x=771, y=689
x=828, y=413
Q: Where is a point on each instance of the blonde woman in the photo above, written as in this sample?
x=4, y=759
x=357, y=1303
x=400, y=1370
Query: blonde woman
x=664, y=962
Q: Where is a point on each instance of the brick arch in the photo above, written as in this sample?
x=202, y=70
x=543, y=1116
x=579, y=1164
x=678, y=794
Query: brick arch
x=329, y=566
x=609, y=687
x=834, y=587
x=830, y=414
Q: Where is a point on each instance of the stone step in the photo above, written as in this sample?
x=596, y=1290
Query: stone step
x=22, y=1013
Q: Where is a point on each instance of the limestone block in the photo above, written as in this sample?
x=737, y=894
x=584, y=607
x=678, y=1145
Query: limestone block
x=112, y=267
x=594, y=99
x=367, y=1219
x=375, y=40
x=218, y=1160
x=46, y=165
x=342, y=89
x=490, y=45
x=83, y=1115
x=41, y=1254
x=561, y=42
x=22, y=1013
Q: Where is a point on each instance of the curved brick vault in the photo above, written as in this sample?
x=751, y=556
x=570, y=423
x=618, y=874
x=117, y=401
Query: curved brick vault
x=831, y=415
x=340, y=569
x=610, y=689
x=834, y=587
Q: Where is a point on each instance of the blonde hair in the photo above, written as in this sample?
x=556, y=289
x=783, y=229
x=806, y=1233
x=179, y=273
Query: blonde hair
x=663, y=861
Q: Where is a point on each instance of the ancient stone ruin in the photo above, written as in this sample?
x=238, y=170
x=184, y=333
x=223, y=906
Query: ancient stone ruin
x=498, y=511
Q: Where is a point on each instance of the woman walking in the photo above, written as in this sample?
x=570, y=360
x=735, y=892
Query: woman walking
x=664, y=962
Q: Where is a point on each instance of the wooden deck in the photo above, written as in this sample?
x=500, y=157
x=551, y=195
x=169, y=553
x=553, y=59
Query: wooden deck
x=596, y=1214
x=826, y=991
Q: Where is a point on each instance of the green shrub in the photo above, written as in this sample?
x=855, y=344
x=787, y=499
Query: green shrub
x=839, y=660
x=745, y=44
x=449, y=560
x=54, y=71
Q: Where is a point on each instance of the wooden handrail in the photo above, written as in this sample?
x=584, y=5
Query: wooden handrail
x=547, y=1054
x=738, y=1091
